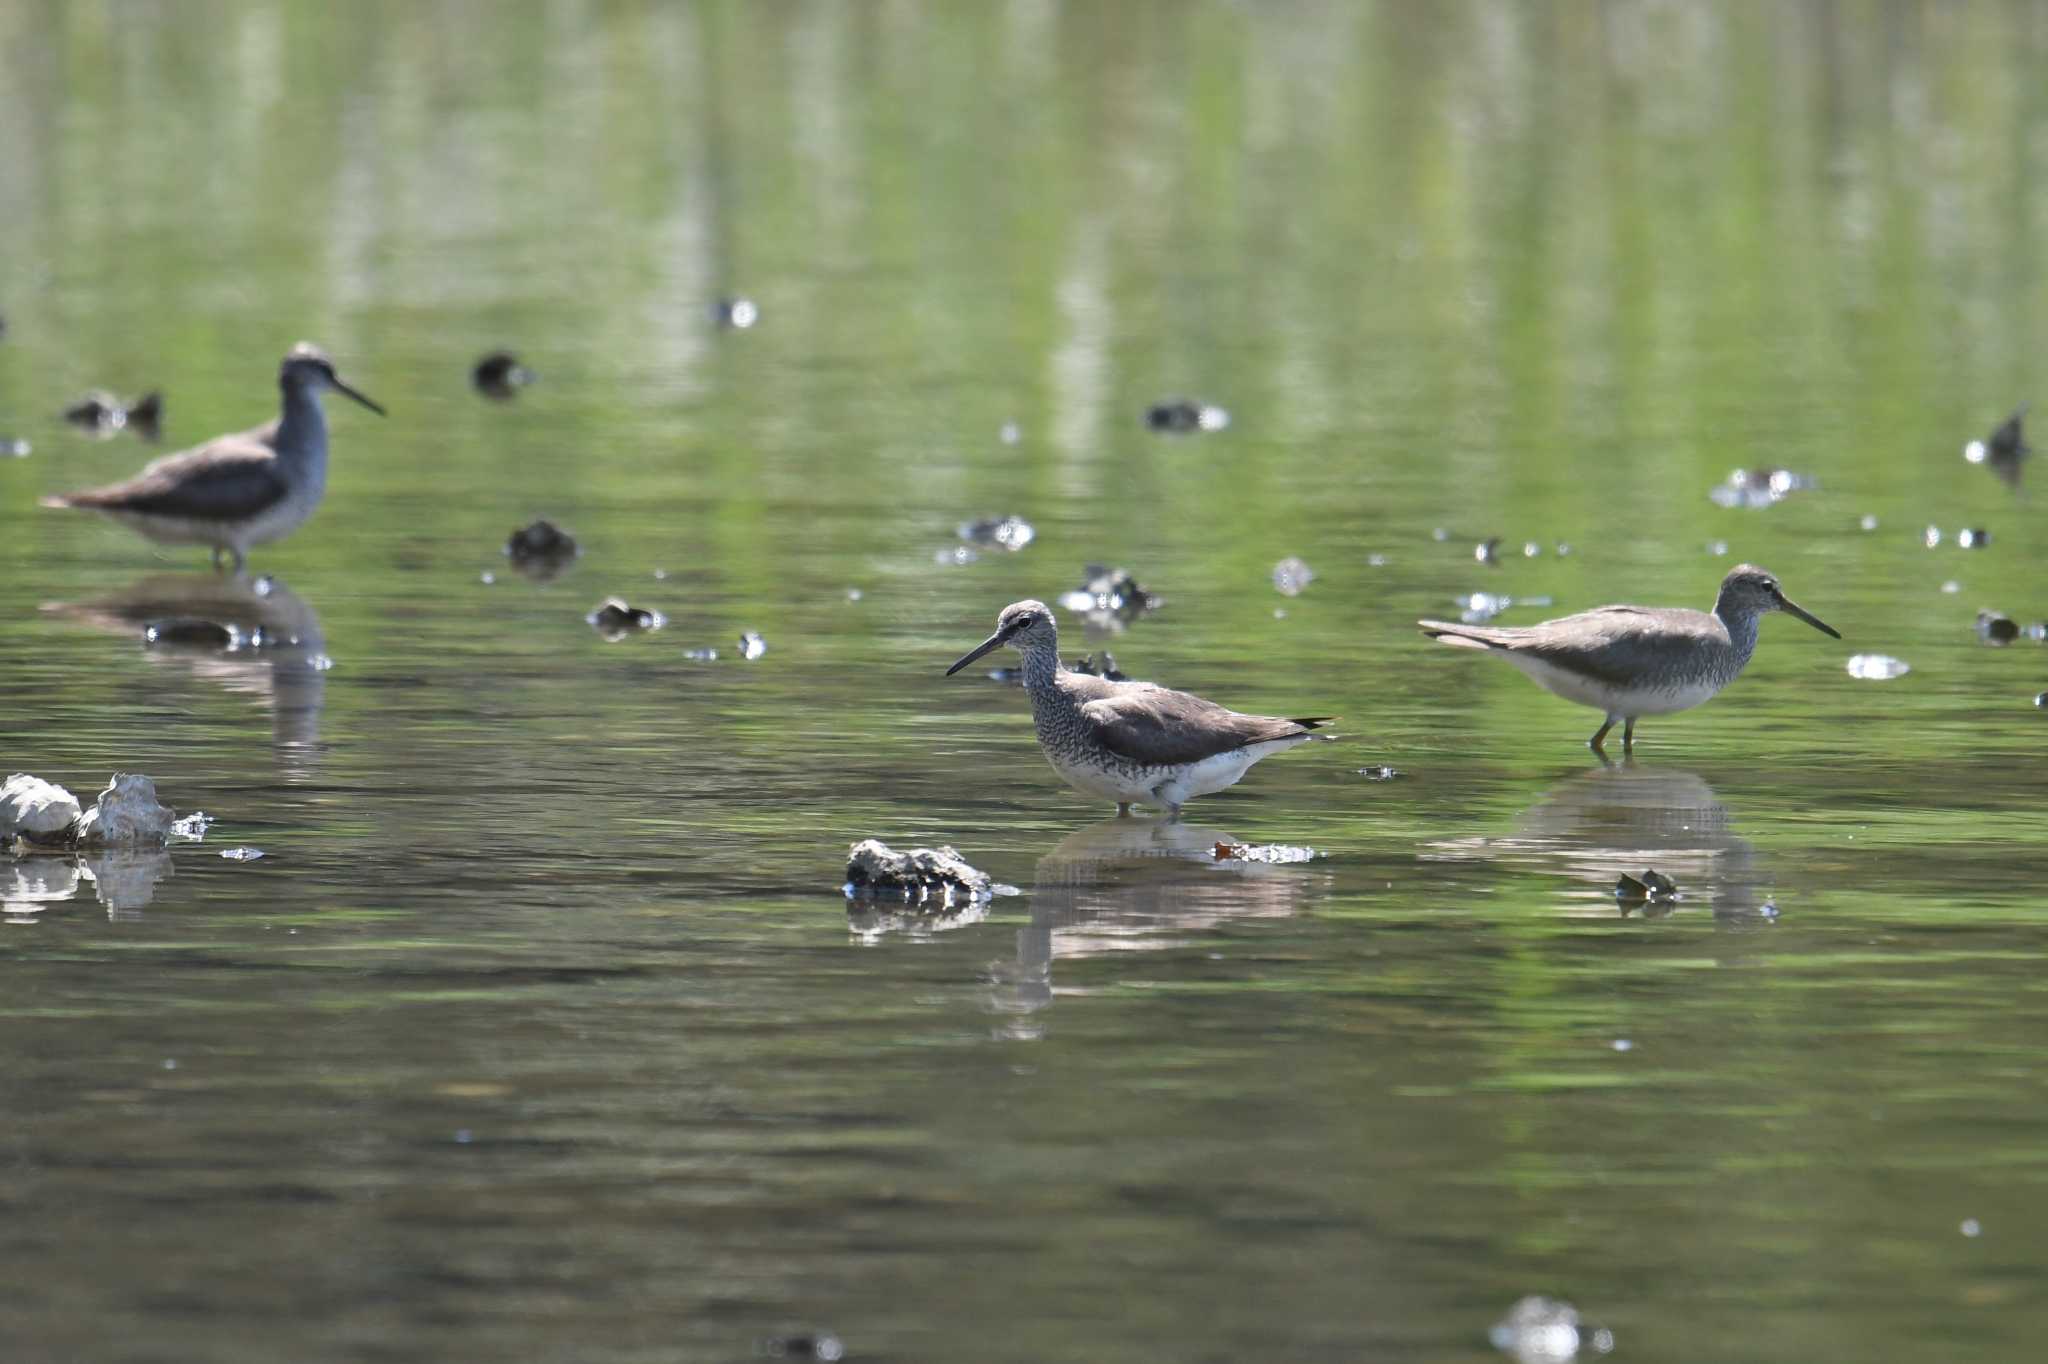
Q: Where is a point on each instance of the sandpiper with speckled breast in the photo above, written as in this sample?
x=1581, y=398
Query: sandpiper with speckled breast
x=1132, y=742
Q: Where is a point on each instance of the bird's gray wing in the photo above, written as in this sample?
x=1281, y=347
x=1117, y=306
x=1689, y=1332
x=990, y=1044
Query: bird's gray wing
x=1159, y=727
x=1620, y=646
x=227, y=479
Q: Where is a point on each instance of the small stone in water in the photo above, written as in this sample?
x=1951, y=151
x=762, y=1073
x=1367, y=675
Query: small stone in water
x=540, y=541
x=752, y=646
x=1758, y=487
x=1868, y=522
x=1291, y=575
x=1951, y=587
x=1931, y=537
x=1993, y=628
x=737, y=313
x=823, y=1345
x=1622, y=1044
x=1486, y=550
x=1717, y=548
x=1010, y=434
x=1111, y=593
x=1380, y=773
x=854, y=594
x=1971, y=1227
x=192, y=826
x=1181, y=416
x=701, y=655
x=1877, y=667
x=1972, y=539
x=241, y=854
x=1087, y=663
x=1264, y=852
x=487, y=577
x=1540, y=1330
x=2041, y=701
x=1530, y=549
x=956, y=557
x=192, y=633
x=500, y=375
x=13, y=447
x=1440, y=534
x=1563, y=548
x=1659, y=883
x=1010, y=532
x=614, y=619
x=1375, y=561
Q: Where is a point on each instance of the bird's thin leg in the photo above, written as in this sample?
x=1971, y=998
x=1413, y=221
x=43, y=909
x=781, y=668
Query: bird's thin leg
x=1598, y=743
x=1628, y=735
x=1123, y=809
x=216, y=558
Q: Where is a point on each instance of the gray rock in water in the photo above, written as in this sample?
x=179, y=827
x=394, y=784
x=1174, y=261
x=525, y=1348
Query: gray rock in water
x=39, y=811
x=127, y=815
x=874, y=868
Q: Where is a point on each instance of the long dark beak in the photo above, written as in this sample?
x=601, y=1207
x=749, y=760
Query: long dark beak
x=340, y=387
x=989, y=645
x=1787, y=604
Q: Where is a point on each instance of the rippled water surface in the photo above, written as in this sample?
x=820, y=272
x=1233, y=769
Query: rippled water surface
x=541, y=1031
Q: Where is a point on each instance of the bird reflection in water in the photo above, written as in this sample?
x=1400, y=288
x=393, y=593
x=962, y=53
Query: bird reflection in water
x=250, y=636
x=1133, y=885
x=1597, y=825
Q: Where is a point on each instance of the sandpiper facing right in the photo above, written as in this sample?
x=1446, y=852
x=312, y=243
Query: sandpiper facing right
x=1632, y=661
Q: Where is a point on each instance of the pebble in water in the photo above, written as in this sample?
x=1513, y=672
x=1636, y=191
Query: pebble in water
x=241, y=854
x=1931, y=537
x=1487, y=551
x=13, y=447
x=752, y=646
x=824, y=1345
x=1868, y=522
x=1754, y=488
x=192, y=827
x=1972, y=539
x=1951, y=587
x=1291, y=575
x=1540, y=1330
x=542, y=540
x=500, y=375
x=2041, y=701
x=1971, y=1227
x=1877, y=667
x=1264, y=852
x=959, y=556
x=1717, y=548
x=1010, y=434
x=1009, y=532
x=102, y=414
x=736, y=313
x=1109, y=594
x=2004, y=449
x=1995, y=629
x=614, y=619
x=1105, y=667
x=1183, y=416
x=701, y=655
x=1380, y=773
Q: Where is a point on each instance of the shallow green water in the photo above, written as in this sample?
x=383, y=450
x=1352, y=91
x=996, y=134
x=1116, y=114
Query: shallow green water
x=541, y=1031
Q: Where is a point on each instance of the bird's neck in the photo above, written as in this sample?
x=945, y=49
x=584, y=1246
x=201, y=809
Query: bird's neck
x=302, y=430
x=1741, y=625
x=1041, y=667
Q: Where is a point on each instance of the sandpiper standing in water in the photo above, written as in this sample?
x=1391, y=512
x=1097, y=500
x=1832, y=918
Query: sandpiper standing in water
x=240, y=490
x=1131, y=742
x=1632, y=661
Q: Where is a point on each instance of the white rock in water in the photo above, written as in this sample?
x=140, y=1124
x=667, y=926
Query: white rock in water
x=872, y=865
x=126, y=815
x=1877, y=667
x=32, y=806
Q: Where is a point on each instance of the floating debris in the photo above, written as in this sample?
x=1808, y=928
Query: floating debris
x=701, y=655
x=102, y=414
x=1931, y=537
x=752, y=646
x=1487, y=551
x=1105, y=669
x=1109, y=594
x=1010, y=532
x=1622, y=1044
x=2041, y=701
x=736, y=313
x=1877, y=667
x=499, y=375
x=1182, y=416
x=1264, y=852
x=1654, y=886
x=2005, y=449
x=192, y=827
x=614, y=619
x=1291, y=575
x=186, y=632
x=13, y=447
x=1753, y=488
x=1972, y=539
x=1868, y=522
x=956, y=557
x=1477, y=608
x=854, y=594
x=1530, y=549
x=241, y=854
x=917, y=874
x=1951, y=587
x=1718, y=548
x=1995, y=629
x=541, y=550
x=1540, y=1330
x=1376, y=561
x=1380, y=773
x=823, y=1345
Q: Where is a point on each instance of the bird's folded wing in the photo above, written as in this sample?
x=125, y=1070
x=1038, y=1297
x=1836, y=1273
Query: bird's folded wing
x=1158, y=727
x=231, y=479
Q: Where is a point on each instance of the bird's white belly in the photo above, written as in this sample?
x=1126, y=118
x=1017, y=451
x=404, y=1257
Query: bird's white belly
x=1631, y=702
x=274, y=523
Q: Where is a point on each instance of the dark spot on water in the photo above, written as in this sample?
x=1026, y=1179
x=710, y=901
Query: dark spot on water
x=191, y=633
x=1380, y=773
x=1487, y=551
x=499, y=375
x=542, y=543
x=1973, y=539
x=1105, y=669
x=1995, y=629
x=614, y=619
x=737, y=314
